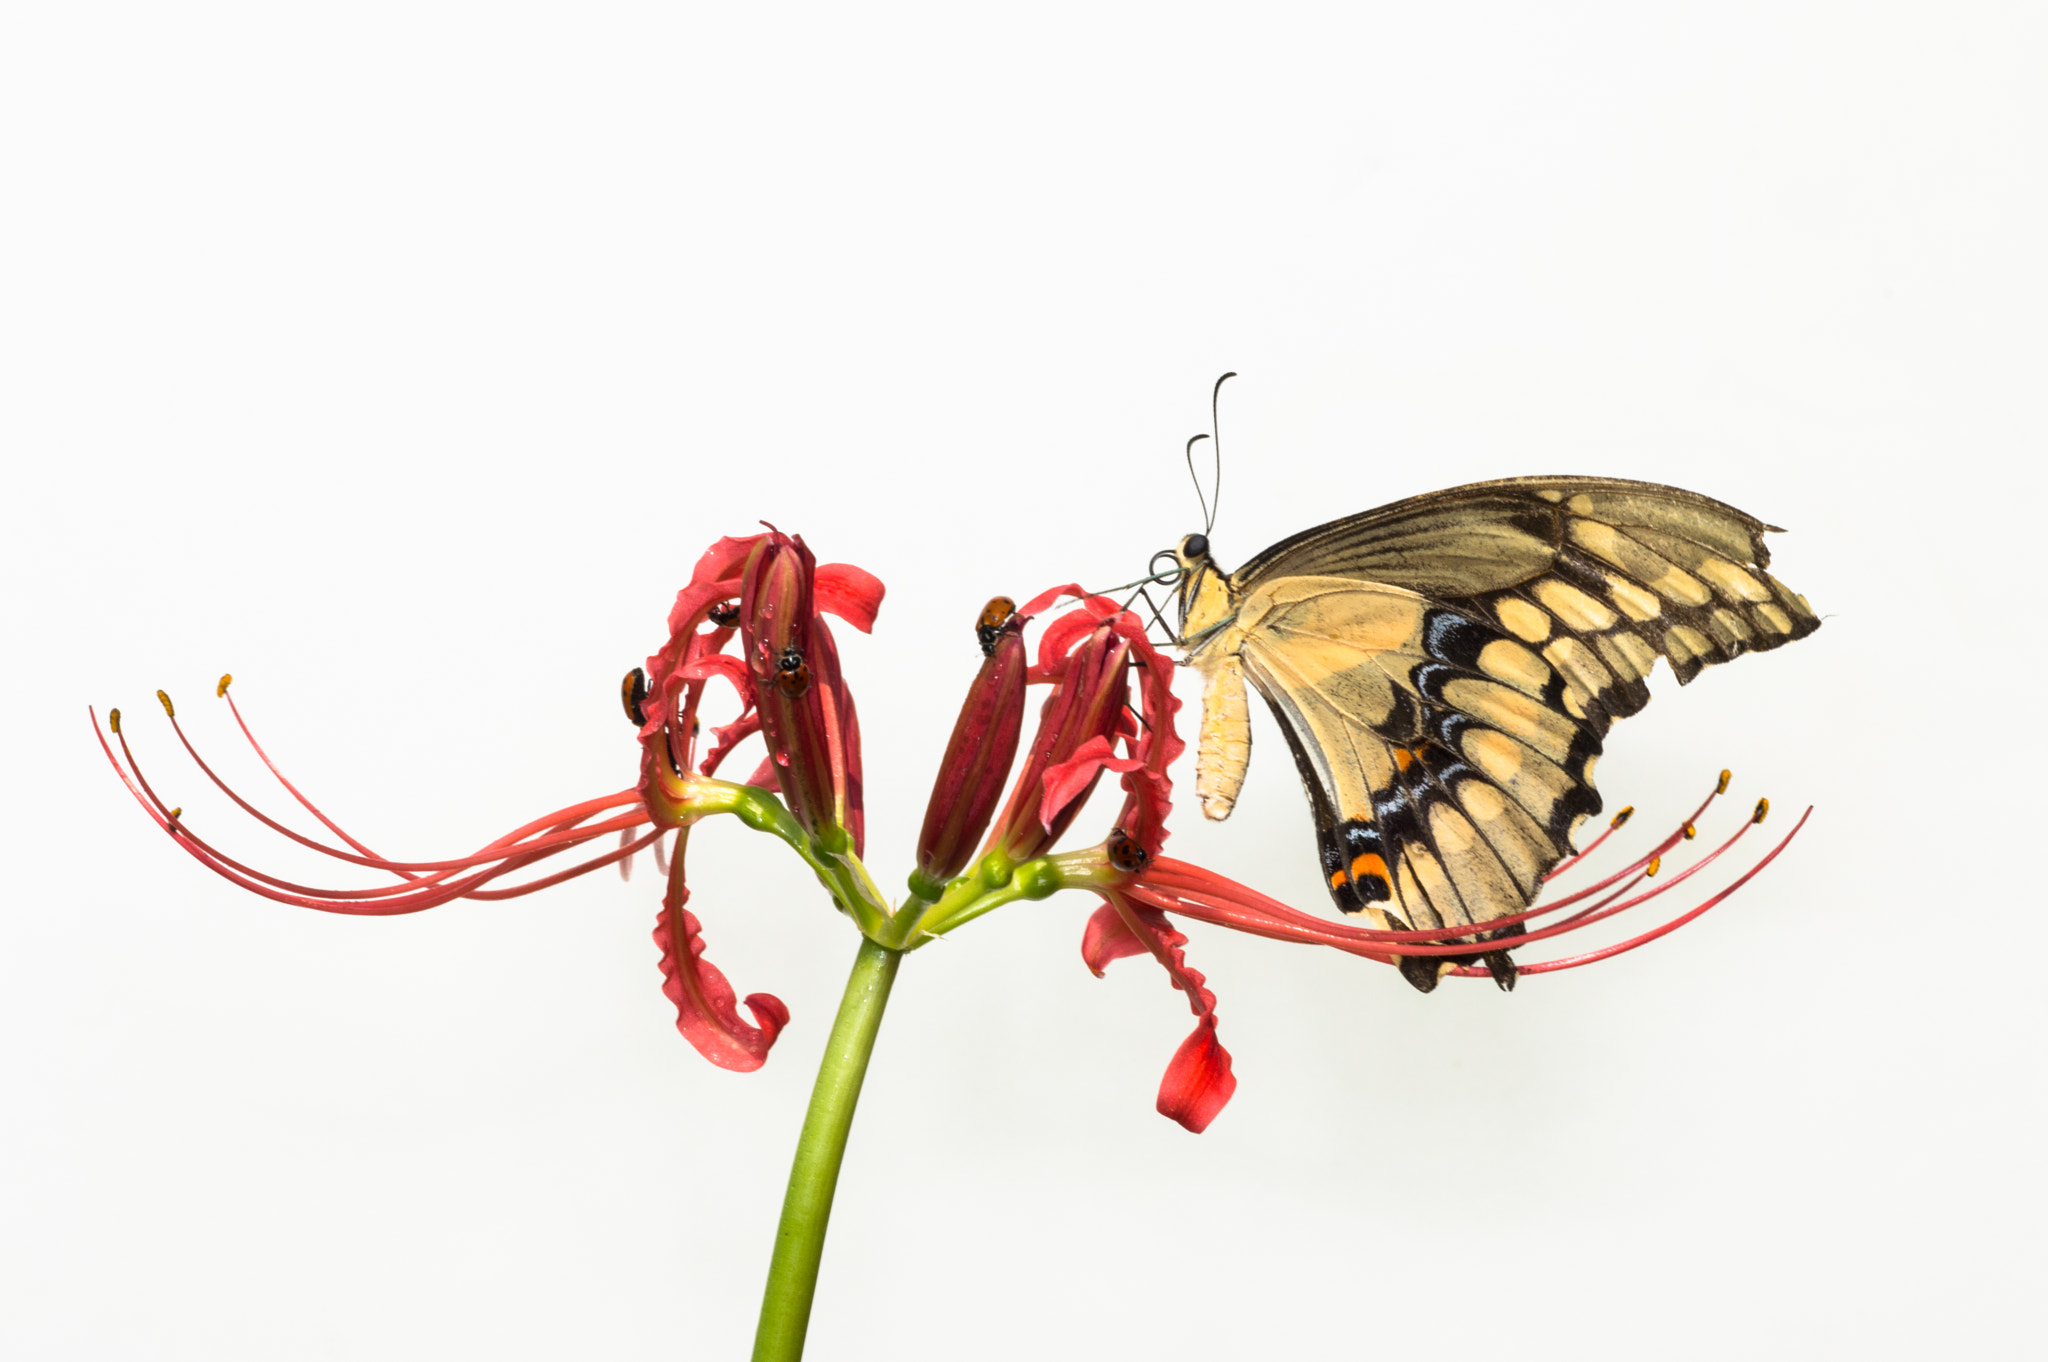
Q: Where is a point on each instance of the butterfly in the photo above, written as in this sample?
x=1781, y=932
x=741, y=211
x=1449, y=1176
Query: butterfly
x=1445, y=669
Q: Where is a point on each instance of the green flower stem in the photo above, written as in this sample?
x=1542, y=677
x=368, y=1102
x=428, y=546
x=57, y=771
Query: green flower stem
x=813, y=1177
x=995, y=882
x=840, y=871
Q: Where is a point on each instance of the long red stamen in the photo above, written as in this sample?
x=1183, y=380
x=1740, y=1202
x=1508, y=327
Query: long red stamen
x=1574, y=961
x=536, y=840
x=332, y=826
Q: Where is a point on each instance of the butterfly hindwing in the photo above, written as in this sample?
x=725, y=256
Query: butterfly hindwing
x=1444, y=776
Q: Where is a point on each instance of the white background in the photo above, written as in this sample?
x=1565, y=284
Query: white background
x=401, y=360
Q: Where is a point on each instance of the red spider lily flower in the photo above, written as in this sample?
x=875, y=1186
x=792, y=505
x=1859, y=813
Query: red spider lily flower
x=978, y=755
x=675, y=790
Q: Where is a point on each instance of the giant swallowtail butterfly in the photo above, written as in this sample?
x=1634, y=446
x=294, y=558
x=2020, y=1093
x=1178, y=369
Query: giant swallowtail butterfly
x=1446, y=667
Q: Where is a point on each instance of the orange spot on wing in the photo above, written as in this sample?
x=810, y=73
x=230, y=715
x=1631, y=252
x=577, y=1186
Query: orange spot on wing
x=1368, y=864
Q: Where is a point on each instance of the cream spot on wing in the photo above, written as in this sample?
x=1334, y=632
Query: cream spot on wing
x=1480, y=876
x=1498, y=756
x=1776, y=618
x=1640, y=653
x=1518, y=842
x=1679, y=585
x=1531, y=781
x=1481, y=800
x=1522, y=619
x=1661, y=575
x=1732, y=581
x=1580, y=505
x=1580, y=612
x=1551, y=495
x=1454, y=836
x=1514, y=714
x=1576, y=661
x=1616, y=658
x=1732, y=622
x=1506, y=660
x=1586, y=771
x=1635, y=602
x=1690, y=640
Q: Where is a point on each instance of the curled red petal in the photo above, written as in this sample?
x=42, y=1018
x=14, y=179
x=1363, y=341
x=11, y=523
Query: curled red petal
x=1198, y=1082
x=1073, y=778
x=725, y=738
x=706, y=1011
x=1107, y=939
x=723, y=665
x=854, y=594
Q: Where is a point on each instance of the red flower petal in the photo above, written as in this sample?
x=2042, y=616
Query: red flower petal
x=851, y=593
x=1199, y=1082
x=1107, y=939
x=1073, y=778
x=706, y=1012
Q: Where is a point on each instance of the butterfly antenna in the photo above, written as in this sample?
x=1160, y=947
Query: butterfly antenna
x=1216, y=427
x=1207, y=519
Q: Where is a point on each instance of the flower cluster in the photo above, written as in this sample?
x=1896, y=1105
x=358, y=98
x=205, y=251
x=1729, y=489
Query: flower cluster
x=753, y=618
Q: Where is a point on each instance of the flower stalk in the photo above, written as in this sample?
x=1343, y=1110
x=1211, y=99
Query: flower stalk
x=820, y=1149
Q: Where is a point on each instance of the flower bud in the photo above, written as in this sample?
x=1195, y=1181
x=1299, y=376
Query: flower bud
x=807, y=715
x=978, y=755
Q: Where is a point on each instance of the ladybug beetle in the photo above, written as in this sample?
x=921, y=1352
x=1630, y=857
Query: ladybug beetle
x=725, y=614
x=1125, y=853
x=792, y=676
x=994, y=616
x=632, y=691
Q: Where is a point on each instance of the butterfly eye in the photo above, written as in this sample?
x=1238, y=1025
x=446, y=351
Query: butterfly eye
x=1195, y=546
